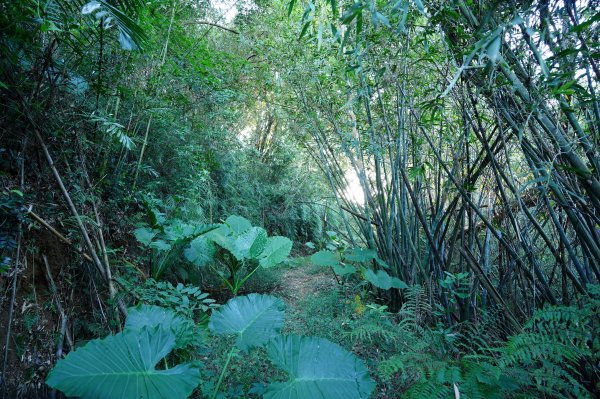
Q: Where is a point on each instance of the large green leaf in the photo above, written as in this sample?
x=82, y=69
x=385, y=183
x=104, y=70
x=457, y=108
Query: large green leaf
x=255, y=319
x=238, y=224
x=277, y=249
x=360, y=254
x=381, y=279
x=122, y=366
x=344, y=269
x=161, y=245
x=145, y=235
x=325, y=258
x=204, y=228
x=177, y=230
x=224, y=237
x=152, y=316
x=200, y=251
x=318, y=369
x=364, y=255
x=250, y=243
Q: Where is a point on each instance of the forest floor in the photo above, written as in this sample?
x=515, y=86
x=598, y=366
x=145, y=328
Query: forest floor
x=303, y=281
x=313, y=306
x=317, y=305
x=310, y=294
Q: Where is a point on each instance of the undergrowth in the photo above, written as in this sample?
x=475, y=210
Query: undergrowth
x=554, y=355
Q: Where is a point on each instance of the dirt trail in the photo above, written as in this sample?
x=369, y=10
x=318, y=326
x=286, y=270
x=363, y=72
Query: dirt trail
x=300, y=282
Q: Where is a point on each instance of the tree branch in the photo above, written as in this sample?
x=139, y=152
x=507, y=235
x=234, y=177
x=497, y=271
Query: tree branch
x=235, y=32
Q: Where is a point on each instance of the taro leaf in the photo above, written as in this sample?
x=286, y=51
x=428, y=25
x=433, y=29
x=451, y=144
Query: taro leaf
x=223, y=237
x=121, y=366
x=178, y=230
x=145, y=235
x=382, y=263
x=238, y=224
x=250, y=243
x=344, y=270
x=324, y=258
x=204, y=228
x=160, y=245
x=381, y=279
x=255, y=319
x=276, y=251
x=360, y=255
x=319, y=369
x=153, y=316
x=200, y=251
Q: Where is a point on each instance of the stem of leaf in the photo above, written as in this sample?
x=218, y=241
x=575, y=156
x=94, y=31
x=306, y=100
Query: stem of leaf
x=229, y=357
x=335, y=275
x=249, y=275
x=222, y=278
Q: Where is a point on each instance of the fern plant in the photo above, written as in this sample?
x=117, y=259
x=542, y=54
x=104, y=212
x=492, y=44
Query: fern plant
x=556, y=355
x=374, y=327
x=560, y=348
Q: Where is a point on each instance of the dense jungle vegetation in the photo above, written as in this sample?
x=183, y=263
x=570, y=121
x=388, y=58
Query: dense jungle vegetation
x=312, y=199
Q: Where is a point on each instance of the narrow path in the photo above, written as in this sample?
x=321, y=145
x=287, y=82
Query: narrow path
x=303, y=281
x=305, y=289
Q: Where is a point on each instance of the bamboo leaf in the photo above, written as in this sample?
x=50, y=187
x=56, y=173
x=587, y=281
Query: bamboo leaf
x=493, y=48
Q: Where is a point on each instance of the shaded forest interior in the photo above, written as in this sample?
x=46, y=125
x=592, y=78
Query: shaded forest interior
x=300, y=199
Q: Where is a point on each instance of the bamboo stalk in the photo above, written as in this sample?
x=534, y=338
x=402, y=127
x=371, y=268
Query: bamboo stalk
x=55, y=297
x=86, y=237
x=64, y=239
x=144, y=144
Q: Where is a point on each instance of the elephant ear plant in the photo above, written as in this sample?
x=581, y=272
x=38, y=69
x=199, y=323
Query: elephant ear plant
x=345, y=262
x=317, y=368
x=123, y=366
x=166, y=240
x=236, y=249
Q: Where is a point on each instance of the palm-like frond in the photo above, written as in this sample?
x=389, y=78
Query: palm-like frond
x=97, y=14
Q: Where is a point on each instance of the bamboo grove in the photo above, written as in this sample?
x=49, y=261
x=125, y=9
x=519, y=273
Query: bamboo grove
x=406, y=190
x=473, y=132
